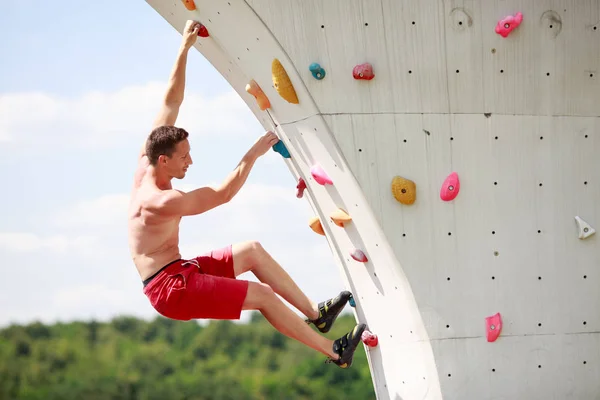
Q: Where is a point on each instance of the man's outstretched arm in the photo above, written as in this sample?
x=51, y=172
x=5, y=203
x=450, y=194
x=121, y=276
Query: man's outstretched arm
x=173, y=97
x=177, y=203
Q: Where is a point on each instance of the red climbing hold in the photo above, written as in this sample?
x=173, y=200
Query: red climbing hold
x=363, y=71
x=506, y=25
x=370, y=339
x=359, y=256
x=301, y=186
x=450, y=188
x=493, y=327
x=203, y=32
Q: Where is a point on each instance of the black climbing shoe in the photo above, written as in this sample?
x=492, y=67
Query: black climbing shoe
x=346, y=345
x=329, y=310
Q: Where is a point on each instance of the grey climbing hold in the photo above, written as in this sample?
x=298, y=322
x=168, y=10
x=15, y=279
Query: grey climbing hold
x=585, y=229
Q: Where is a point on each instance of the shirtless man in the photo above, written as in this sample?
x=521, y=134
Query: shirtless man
x=207, y=286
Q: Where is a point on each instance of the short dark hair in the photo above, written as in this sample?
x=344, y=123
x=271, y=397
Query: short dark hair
x=162, y=140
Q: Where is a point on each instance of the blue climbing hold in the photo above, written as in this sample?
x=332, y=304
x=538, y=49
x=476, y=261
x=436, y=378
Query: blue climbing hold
x=280, y=148
x=317, y=71
x=352, y=302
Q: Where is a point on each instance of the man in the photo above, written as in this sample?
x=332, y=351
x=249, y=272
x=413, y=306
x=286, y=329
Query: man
x=207, y=286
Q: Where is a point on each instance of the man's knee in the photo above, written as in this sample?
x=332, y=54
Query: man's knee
x=254, y=251
x=259, y=294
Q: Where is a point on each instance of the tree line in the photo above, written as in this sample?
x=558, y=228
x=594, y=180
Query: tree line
x=130, y=359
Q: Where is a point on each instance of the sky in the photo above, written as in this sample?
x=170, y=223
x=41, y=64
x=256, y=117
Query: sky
x=80, y=85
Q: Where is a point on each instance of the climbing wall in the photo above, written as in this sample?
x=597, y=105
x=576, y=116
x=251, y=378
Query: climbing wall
x=449, y=150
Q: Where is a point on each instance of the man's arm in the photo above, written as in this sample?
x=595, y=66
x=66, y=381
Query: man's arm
x=174, y=95
x=177, y=203
x=198, y=201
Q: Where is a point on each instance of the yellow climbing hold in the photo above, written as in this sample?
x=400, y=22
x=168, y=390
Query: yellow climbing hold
x=404, y=190
x=282, y=82
x=315, y=225
x=340, y=217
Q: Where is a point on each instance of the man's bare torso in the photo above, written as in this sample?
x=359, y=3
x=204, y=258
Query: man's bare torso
x=153, y=239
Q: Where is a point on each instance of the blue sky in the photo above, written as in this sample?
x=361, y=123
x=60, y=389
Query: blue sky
x=80, y=83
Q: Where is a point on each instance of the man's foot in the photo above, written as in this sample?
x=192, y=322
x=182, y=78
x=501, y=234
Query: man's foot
x=329, y=310
x=345, y=346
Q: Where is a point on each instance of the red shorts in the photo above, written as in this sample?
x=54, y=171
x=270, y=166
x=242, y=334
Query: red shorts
x=201, y=287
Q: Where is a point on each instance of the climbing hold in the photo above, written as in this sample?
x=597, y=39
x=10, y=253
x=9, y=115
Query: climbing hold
x=404, y=190
x=340, y=217
x=450, y=187
x=315, y=225
x=203, y=32
x=493, y=327
x=280, y=148
x=585, y=229
x=189, y=4
x=363, y=71
x=317, y=71
x=255, y=90
x=358, y=255
x=300, y=186
x=282, y=82
x=506, y=25
x=351, y=301
x=319, y=174
x=369, y=338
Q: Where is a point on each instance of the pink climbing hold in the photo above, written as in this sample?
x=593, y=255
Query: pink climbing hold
x=493, y=327
x=320, y=175
x=370, y=339
x=506, y=25
x=301, y=186
x=359, y=256
x=450, y=187
x=363, y=71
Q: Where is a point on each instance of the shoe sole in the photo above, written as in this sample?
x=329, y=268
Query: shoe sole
x=345, y=294
x=357, y=334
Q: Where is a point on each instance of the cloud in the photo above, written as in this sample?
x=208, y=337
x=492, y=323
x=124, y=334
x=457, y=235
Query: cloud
x=26, y=242
x=106, y=284
x=107, y=210
x=99, y=120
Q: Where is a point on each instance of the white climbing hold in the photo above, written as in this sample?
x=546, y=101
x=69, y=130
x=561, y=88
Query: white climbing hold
x=585, y=229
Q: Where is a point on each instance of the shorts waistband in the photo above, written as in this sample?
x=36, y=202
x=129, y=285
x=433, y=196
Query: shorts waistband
x=147, y=280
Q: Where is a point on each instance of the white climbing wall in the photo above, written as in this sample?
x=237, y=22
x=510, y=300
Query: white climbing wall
x=517, y=119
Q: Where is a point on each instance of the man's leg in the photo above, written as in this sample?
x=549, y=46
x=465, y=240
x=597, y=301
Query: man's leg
x=251, y=256
x=262, y=298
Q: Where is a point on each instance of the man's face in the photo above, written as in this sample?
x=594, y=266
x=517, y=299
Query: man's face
x=177, y=165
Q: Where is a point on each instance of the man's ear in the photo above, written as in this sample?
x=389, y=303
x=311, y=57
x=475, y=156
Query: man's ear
x=162, y=159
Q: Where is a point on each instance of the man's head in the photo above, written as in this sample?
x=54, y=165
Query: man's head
x=168, y=150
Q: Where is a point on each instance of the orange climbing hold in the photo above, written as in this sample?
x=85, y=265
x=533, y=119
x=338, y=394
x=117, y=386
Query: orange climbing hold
x=282, y=82
x=404, y=190
x=315, y=225
x=189, y=4
x=340, y=217
x=260, y=96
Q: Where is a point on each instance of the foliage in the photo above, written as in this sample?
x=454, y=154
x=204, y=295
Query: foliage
x=129, y=358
